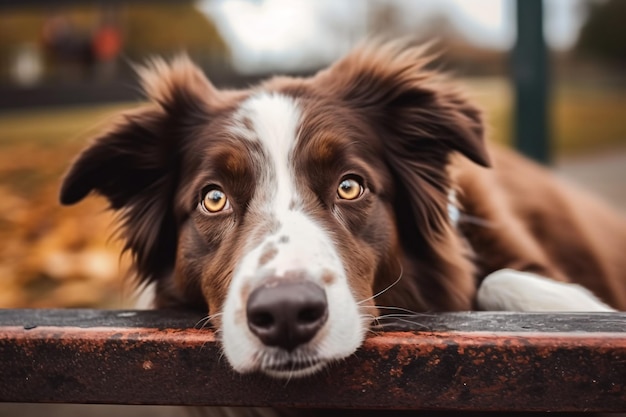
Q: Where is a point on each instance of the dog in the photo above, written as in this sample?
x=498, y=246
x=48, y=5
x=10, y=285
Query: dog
x=298, y=211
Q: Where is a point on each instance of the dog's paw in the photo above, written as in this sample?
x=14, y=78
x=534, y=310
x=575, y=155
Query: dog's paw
x=510, y=290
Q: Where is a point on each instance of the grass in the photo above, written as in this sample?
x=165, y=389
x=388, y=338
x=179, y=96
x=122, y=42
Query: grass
x=587, y=120
x=52, y=127
x=583, y=119
x=55, y=256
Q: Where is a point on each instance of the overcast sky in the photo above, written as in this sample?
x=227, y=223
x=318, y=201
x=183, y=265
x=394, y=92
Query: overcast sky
x=293, y=34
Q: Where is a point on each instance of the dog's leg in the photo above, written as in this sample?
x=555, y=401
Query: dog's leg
x=145, y=296
x=511, y=290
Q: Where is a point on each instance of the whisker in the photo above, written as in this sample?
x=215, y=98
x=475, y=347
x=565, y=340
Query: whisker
x=368, y=318
x=205, y=320
x=217, y=334
x=392, y=315
x=221, y=356
x=385, y=289
x=375, y=333
x=413, y=323
x=202, y=320
x=293, y=365
x=206, y=323
x=399, y=309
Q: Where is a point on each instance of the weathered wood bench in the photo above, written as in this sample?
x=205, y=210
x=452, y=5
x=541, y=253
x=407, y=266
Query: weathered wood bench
x=453, y=361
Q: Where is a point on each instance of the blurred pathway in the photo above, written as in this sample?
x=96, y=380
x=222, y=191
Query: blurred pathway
x=604, y=174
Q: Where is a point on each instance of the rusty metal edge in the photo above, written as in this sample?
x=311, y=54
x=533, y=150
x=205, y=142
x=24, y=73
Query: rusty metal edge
x=614, y=322
x=428, y=370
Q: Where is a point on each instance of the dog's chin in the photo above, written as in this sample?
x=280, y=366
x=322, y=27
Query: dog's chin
x=293, y=369
x=280, y=364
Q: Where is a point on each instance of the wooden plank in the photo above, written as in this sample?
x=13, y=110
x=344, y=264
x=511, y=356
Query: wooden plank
x=452, y=361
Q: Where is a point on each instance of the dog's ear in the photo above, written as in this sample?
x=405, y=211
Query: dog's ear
x=419, y=119
x=391, y=84
x=134, y=164
x=141, y=146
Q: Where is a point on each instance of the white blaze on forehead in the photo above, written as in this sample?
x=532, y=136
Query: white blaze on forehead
x=299, y=244
x=274, y=120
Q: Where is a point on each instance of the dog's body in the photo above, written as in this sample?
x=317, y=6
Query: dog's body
x=298, y=211
x=552, y=229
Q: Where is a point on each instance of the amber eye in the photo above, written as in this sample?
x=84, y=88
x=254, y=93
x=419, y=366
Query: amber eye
x=349, y=189
x=215, y=200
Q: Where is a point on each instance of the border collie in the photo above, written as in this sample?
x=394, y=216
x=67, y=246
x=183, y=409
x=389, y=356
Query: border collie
x=300, y=210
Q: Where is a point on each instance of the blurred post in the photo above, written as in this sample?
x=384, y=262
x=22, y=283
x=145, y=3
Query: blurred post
x=530, y=77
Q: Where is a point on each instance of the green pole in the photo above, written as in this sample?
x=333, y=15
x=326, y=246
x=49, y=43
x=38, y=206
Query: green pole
x=530, y=78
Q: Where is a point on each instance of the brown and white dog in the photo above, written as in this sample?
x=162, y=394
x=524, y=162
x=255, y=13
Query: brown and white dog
x=298, y=211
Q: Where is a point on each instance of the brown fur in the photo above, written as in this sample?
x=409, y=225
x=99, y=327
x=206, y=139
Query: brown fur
x=413, y=136
x=540, y=223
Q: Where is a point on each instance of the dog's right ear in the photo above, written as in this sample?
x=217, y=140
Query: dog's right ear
x=141, y=145
x=135, y=163
x=122, y=161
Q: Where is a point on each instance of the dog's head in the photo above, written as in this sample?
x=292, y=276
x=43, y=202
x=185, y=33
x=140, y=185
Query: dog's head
x=287, y=208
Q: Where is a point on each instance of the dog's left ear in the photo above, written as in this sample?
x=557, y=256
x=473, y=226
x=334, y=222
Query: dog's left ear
x=391, y=86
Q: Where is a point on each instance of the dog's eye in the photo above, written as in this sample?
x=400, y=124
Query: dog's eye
x=350, y=189
x=215, y=200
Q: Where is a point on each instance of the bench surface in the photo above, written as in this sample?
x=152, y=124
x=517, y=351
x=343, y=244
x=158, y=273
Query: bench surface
x=446, y=361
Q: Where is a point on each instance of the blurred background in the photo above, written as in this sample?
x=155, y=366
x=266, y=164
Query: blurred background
x=66, y=67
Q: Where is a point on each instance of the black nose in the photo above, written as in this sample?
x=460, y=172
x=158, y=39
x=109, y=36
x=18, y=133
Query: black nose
x=287, y=314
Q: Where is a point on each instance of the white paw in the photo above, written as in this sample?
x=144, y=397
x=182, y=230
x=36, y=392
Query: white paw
x=145, y=296
x=510, y=290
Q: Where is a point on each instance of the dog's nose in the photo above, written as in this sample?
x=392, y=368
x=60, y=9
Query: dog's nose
x=287, y=314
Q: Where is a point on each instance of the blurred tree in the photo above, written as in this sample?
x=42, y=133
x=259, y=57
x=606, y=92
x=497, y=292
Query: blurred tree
x=602, y=35
x=456, y=51
x=384, y=19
